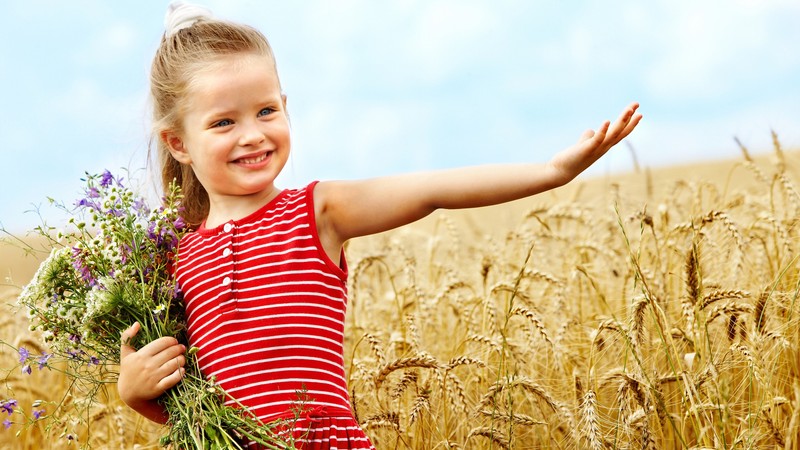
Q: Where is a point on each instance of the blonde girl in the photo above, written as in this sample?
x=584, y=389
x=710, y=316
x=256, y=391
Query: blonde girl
x=263, y=273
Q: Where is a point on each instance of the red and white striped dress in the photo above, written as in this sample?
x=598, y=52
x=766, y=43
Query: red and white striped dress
x=266, y=308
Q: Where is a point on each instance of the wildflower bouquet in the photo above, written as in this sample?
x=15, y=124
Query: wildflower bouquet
x=113, y=269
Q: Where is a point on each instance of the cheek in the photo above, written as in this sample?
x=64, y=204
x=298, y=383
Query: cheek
x=218, y=148
x=284, y=133
x=287, y=137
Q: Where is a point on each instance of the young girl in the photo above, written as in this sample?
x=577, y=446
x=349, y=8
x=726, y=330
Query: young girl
x=263, y=273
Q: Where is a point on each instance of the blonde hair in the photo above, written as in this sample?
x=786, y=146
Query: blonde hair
x=182, y=55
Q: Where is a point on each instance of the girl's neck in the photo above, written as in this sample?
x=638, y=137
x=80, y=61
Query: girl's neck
x=226, y=208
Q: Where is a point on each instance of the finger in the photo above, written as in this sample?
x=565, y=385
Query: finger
x=168, y=359
x=130, y=332
x=180, y=361
x=586, y=135
x=600, y=136
x=161, y=344
x=174, y=363
x=632, y=124
x=621, y=123
x=628, y=128
x=171, y=380
x=629, y=113
x=126, y=336
x=170, y=366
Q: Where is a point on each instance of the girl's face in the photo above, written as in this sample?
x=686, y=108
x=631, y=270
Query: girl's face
x=235, y=130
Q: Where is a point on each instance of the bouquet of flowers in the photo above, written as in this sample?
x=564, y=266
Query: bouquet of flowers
x=113, y=268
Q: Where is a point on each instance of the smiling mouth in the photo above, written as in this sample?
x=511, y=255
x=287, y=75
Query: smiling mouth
x=255, y=159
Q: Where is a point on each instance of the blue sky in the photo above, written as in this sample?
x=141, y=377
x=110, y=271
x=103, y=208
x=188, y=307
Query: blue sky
x=379, y=87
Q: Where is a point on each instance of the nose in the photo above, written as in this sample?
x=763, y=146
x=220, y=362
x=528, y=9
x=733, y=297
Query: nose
x=251, y=134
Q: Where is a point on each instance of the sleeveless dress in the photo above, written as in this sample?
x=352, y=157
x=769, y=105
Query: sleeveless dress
x=266, y=308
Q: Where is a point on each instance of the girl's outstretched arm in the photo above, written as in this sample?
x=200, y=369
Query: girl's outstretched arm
x=347, y=209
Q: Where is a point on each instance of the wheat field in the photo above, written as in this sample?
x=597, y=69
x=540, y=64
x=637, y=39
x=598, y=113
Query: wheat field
x=650, y=310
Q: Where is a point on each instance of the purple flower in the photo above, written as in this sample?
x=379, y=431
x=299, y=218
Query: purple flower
x=92, y=192
x=26, y=369
x=179, y=223
x=7, y=423
x=37, y=413
x=8, y=406
x=89, y=201
x=80, y=266
x=43, y=360
x=151, y=231
x=23, y=354
x=140, y=206
x=115, y=212
x=94, y=360
x=106, y=179
x=86, y=203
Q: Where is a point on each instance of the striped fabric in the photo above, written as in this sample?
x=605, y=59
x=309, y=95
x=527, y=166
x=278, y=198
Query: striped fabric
x=266, y=308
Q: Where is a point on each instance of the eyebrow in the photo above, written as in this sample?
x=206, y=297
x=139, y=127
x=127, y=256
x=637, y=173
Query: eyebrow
x=267, y=101
x=217, y=115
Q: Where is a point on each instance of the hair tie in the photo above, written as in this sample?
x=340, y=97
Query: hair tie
x=182, y=15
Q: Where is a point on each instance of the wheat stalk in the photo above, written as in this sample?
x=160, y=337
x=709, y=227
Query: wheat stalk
x=722, y=294
x=494, y=435
x=375, y=347
x=517, y=419
x=408, y=379
x=422, y=361
x=535, y=320
x=636, y=333
x=589, y=421
x=421, y=403
x=457, y=393
x=384, y=420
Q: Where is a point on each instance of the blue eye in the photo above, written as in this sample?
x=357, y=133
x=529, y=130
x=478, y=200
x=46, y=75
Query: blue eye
x=223, y=123
x=265, y=112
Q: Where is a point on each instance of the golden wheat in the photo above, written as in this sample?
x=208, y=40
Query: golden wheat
x=595, y=322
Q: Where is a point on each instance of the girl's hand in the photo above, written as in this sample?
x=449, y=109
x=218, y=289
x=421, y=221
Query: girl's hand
x=147, y=373
x=570, y=162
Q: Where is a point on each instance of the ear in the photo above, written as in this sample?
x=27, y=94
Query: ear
x=285, y=111
x=175, y=145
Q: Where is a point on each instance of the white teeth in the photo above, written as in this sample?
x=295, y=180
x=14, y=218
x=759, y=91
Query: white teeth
x=255, y=160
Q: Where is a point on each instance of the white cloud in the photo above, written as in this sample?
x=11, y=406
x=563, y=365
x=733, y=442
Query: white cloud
x=368, y=140
x=111, y=45
x=706, y=50
x=448, y=36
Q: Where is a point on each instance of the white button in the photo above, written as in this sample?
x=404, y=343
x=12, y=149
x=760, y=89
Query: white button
x=226, y=252
x=226, y=281
x=228, y=227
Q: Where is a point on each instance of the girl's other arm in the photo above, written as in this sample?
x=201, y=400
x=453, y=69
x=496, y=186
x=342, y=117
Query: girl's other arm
x=347, y=209
x=147, y=373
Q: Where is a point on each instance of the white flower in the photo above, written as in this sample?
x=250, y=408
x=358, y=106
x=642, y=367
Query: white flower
x=97, y=300
x=38, y=288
